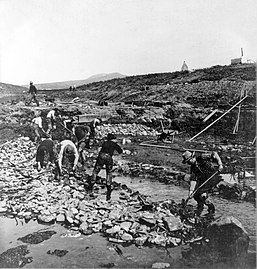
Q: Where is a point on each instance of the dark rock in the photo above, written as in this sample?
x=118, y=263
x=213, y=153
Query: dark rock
x=107, y=265
x=37, y=237
x=58, y=252
x=15, y=257
x=227, y=236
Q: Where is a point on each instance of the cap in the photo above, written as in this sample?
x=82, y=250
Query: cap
x=187, y=155
x=110, y=136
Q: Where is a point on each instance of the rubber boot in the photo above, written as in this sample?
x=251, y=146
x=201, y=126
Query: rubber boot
x=109, y=191
x=199, y=209
x=92, y=183
x=90, y=187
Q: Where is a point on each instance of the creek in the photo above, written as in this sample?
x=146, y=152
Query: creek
x=96, y=251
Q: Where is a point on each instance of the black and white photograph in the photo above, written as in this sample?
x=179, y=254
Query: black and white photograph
x=128, y=134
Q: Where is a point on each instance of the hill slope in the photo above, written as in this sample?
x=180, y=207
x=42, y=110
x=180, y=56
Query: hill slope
x=10, y=89
x=218, y=82
x=67, y=84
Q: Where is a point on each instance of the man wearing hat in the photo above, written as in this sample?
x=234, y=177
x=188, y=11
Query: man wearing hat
x=202, y=167
x=105, y=158
x=33, y=92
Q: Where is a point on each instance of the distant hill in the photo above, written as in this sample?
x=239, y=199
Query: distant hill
x=67, y=84
x=10, y=89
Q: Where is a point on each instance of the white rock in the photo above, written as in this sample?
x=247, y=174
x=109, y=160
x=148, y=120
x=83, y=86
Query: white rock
x=160, y=265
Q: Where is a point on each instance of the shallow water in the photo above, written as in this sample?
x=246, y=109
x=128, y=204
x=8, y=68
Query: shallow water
x=245, y=212
x=95, y=250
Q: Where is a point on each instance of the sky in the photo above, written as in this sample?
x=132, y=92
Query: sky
x=59, y=40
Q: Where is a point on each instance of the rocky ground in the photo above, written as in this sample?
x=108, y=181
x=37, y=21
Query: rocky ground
x=132, y=219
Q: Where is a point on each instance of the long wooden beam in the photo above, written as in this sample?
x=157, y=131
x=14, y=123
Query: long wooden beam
x=218, y=118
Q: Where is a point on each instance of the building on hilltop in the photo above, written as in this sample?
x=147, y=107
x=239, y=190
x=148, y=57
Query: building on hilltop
x=238, y=60
x=184, y=67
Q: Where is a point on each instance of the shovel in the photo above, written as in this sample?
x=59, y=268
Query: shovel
x=184, y=202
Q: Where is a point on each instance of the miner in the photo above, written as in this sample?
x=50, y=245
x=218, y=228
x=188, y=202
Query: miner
x=51, y=119
x=105, y=158
x=203, y=166
x=33, y=93
x=37, y=125
x=45, y=148
x=67, y=154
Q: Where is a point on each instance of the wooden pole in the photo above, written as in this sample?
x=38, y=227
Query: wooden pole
x=218, y=118
x=162, y=126
x=238, y=115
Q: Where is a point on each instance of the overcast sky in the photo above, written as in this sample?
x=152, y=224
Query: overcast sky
x=58, y=40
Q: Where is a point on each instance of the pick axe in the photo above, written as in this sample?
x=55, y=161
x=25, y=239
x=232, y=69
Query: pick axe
x=194, y=192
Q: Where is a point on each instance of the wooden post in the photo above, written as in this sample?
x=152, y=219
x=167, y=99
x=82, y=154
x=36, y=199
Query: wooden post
x=162, y=126
x=218, y=118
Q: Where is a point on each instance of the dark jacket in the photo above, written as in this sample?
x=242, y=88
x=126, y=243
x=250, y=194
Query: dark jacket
x=109, y=147
x=46, y=146
x=32, y=89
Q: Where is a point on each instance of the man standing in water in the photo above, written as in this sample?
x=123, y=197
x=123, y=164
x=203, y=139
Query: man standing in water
x=105, y=158
x=202, y=167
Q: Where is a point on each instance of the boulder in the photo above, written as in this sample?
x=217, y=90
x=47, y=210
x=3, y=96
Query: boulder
x=228, y=237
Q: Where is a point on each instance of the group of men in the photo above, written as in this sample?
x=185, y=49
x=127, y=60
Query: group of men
x=68, y=152
x=204, y=167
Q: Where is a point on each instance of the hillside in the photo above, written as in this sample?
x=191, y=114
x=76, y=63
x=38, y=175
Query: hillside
x=9, y=90
x=218, y=82
x=67, y=84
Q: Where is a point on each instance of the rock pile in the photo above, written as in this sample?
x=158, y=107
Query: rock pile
x=127, y=129
x=29, y=195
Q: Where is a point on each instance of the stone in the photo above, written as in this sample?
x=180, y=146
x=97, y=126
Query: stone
x=174, y=241
x=173, y=223
x=126, y=237
x=148, y=221
x=107, y=223
x=69, y=219
x=74, y=210
x=113, y=230
x=228, y=237
x=139, y=241
x=83, y=227
x=46, y=219
x=3, y=209
x=125, y=225
x=157, y=239
x=97, y=227
x=160, y=265
x=60, y=218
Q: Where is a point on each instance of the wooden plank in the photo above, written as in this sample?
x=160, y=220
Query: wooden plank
x=159, y=146
x=218, y=118
x=197, y=150
x=210, y=115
